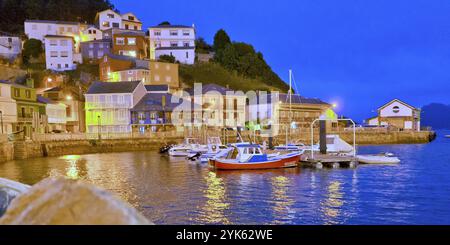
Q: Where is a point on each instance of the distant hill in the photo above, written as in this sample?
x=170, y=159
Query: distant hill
x=436, y=115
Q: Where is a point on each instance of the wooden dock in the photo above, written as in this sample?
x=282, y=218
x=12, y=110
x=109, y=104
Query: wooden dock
x=328, y=160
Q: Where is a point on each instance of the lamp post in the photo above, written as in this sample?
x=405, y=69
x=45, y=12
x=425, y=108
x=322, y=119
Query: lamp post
x=99, y=126
x=1, y=120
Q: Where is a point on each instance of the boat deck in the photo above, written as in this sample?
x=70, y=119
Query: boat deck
x=328, y=160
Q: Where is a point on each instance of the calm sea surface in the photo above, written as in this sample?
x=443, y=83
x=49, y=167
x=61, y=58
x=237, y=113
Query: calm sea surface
x=173, y=191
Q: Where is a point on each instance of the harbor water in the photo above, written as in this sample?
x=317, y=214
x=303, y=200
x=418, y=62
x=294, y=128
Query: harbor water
x=173, y=191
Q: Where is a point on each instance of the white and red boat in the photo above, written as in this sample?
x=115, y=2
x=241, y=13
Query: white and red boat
x=251, y=157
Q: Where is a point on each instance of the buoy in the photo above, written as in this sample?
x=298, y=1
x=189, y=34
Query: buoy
x=319, y=165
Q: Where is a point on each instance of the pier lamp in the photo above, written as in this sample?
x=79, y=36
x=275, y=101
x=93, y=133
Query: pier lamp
x=99, y=126
x=1, y=120
x=335, y=105
x=49, y=80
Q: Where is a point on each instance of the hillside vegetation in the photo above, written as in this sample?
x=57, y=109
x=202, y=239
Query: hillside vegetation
x=214, y=73
x=436, y=115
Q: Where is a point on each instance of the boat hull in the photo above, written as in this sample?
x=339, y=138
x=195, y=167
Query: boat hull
x=223, y=164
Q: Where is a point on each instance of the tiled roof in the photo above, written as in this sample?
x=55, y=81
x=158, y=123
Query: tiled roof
x=44, y=100
x=153, y=102
x=171, y=26
x=53, y=22
x=157, y=88
x=297, y=99
x=112, y=87
x=54, y=89
x=209, y=88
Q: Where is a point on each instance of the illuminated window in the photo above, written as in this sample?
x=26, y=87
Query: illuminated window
x=132, y=53
x=120, y=41
x=131, y=41
x=105, y=24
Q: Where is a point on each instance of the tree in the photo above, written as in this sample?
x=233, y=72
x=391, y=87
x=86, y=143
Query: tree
x=164, y=23
x=32, y=48
x=228, y=57
x=221, y=39
x=167, y=58
x=201, y=46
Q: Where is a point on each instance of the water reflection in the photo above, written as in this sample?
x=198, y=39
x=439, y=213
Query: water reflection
x=216, y=206
x=333, y=203
x=282, y=200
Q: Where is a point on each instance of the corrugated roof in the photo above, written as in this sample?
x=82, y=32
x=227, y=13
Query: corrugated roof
x=112, y=87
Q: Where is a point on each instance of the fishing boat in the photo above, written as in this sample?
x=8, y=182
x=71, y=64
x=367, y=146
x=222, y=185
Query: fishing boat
x=386, y=158
x=214, y=149
x=189, y=145
x=251, y=157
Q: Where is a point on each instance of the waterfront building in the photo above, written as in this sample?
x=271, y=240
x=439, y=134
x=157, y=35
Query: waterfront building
x=283, y=113
x=108, y=106
x=110, y=19
x=60, y=53
x=220, y=106
x=29, y=109
x=173, y=40
x=398, y=115
x=10, y=46
x=153, y=113
x=112, y=63
x=73, y=100
x=93, y=51
x=55, y=115
x=129, y=44
x=8, y=108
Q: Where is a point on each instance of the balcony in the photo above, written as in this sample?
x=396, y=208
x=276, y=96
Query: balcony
x=25, y=118
x=91, y=105
x=158, y=121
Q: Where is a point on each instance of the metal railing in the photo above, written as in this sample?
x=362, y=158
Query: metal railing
x=105, y=136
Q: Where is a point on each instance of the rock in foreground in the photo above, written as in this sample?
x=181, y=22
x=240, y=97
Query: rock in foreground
x=67, y=202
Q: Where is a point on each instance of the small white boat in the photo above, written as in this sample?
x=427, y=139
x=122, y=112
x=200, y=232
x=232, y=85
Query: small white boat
x=214, y=149
x=183, y=150
x=9, y=190
x=378, y=159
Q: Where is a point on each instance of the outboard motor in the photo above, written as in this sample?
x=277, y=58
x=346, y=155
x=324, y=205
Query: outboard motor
x=195, y=157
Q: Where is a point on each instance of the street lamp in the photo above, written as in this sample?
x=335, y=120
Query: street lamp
x=1, y=120
x=99, y=126
x=49, y=80
x=69, y=98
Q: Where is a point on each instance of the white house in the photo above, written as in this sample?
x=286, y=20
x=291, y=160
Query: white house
x=10, y=46
x=38, y=29
x=91, y=33
x=56, y=114
x=8, y=108
x=108, y=19
x=397, y=114
x=174, y=40
x=59, y=53
x=108, y=106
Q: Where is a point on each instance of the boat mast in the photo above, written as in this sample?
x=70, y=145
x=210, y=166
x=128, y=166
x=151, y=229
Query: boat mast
x=288, y=129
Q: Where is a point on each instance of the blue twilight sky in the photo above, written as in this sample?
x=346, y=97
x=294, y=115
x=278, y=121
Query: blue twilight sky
x=356, y=53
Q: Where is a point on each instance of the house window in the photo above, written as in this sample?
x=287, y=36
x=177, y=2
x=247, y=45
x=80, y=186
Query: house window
x=111, y=16
x=131, y=18
x=131, y=41
x=168, y=79
x=66, y=65
x=120, y=41
x=61, y=29
x=69, y=29
x=173, y=44
x=100, y=54
x=28, y=94
x=64, y=42
x=17, y=92
x=54, y=54
x=53, y=43
x=186, y=33
x=135, y=28
x=91, y=45
x=105, y=24
x=174, y=33
x=187, y=55
x=132, y=53
x=90, y=31
x=156, y=78
x=157, y=33
x=127, y=26
x=186, y=44
x=64, y=54
x=116, y=25
x=34, y=27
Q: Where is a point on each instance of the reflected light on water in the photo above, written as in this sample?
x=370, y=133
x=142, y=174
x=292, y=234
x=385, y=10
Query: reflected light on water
x=72, y=170
x=216, y=205
x=282, y=201
x=333, y=203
